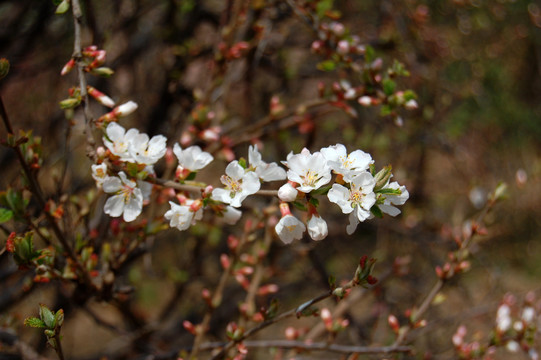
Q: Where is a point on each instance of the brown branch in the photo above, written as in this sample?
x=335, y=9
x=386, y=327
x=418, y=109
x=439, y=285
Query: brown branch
x=425, y=305
x=269, y=322
x=77, y=55
x=315, y=346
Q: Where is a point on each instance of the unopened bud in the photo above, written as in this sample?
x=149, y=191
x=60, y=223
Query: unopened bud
x=291, y=333
x=287, y=193
x=268, y=289
x=189, y=326
x=224, y=260
x=68, y=67
x=125, y=109
x=103, y=71
x=70, y=103
x=100, y=97
x=343, y=47
x=393, y=323
x=365, y=100
x=411, y=104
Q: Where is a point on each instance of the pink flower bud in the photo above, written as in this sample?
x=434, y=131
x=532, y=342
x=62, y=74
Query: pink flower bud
x=185, y=139
x=291, y=333
x=268, y=289
x=189, y=326
x=326, y=316
x=224, y=260
x=211, y=134
x=100, y=97
x=343, y=47
x=68, y=67
x=393, y=323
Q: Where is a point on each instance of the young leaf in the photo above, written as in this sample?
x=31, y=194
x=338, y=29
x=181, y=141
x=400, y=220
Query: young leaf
x=5, y=215
x=47, y=316
x=34, y=322
x=62, y=7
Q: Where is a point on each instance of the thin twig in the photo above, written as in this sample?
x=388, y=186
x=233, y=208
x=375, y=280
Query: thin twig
x=35, y=188
x=77, y=55
x=215, y=301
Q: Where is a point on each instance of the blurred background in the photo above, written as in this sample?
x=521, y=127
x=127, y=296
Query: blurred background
x=475, y=66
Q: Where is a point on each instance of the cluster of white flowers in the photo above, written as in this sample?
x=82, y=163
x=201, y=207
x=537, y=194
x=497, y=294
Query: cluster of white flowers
x=356, y=189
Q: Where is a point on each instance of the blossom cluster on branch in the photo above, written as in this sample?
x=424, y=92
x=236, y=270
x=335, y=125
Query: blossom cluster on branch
x=348, y=180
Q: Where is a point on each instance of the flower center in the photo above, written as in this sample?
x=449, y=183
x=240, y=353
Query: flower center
x=355, y=195
x=346, y=162
x=232, y=185
x=291, y=228
x=127, y=193
x=310, y=178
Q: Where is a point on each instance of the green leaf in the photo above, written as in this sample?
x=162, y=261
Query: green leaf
x=62, y=7
x=59, y=317
x=323, y=6
x=34, y=322
x=389, y=191
x=321, y=191
x=299, y=206
x=47, y=316
x=388, y=86
x=385, y=110
x=327, y=65
x=409, y=95
x=242, y=162
x=369, y=54
x=376, y=211
x=191, y=176
x=314, y=201
x=5, y=215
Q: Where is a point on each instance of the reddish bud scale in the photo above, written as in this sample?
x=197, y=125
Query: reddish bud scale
x=371, y=280
x=232, y=242
x=10, y=242
x=68, y=67
x=362, y=262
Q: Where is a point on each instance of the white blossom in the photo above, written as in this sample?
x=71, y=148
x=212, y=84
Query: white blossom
x=353, y=222
x=512, y=346
x=391, y=199
x=118, y=140
x=231, y=215
x=238, y=185
x=287, y=192
x=182, y=216
x=145, y=151
x=503, y=318
x=266, y=172
x=127, y=199
x=347, y=165
x=528, y=314
x=310, y=171
x=358, y=199
x=290, y=228
x=99, y=173
x=317, y=228
x=192, y=158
